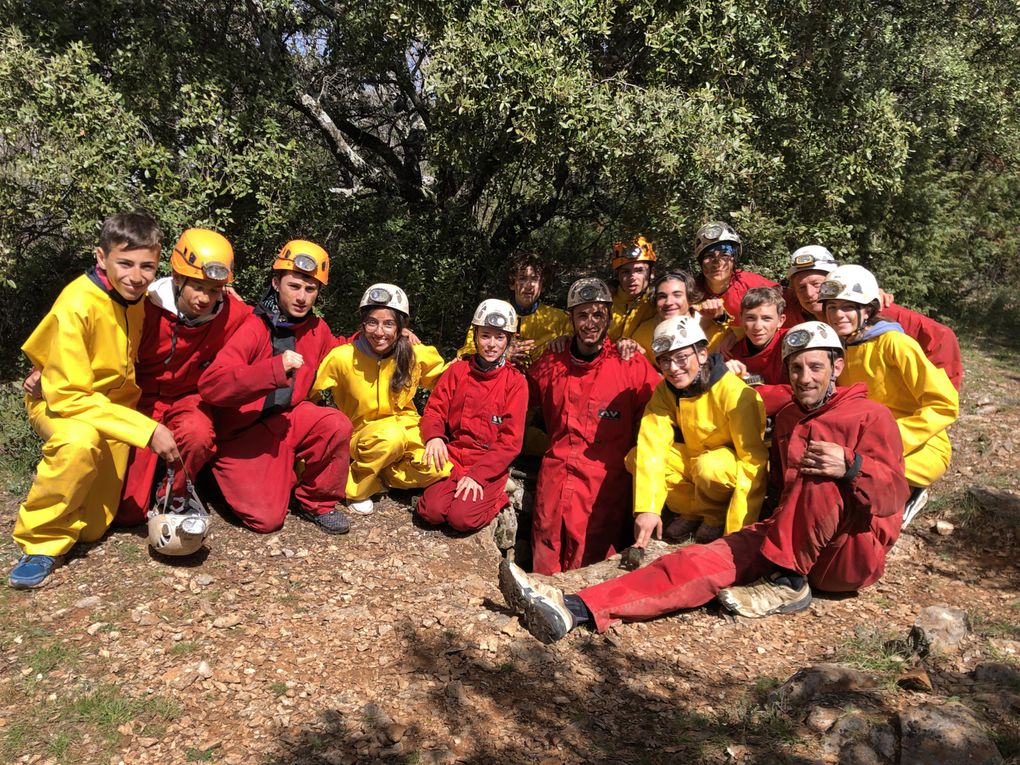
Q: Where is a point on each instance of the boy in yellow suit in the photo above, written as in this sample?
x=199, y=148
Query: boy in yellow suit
x=85, y=347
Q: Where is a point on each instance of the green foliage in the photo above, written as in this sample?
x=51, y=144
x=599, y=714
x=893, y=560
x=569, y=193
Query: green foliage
x=424, y=143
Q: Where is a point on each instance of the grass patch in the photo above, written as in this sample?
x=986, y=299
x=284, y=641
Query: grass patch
x=48, y=658
x=130, y=552
x=19, y=445
x=278, y=688
x=994, y=628
x=872, y=650
x=184, y=647
x=194, y=754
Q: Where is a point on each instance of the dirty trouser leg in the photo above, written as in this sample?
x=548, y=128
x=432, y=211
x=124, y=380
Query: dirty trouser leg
x=374, y=447
x=320, y=437
x=837, y=550
x=77, y=485
x=687, y=578
x=438, y=505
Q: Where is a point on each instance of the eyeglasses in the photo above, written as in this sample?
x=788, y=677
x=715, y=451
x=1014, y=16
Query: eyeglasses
x=679, y=360
x=387, y=324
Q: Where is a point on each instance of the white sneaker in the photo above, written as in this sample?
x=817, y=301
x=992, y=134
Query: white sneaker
x=362, y=506
x=917, y=502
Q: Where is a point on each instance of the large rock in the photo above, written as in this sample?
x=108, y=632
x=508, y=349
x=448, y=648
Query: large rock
x=939, y=628
x=820, y=680
x=948, y=734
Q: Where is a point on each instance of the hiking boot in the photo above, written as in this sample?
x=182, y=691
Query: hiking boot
x=504, y=528
x=915, y=504
x=546, y=616
x=362, y=506
x=707, y=534
x=680, y=528
x=771, y=594
x=32, y=571
x=333, y=522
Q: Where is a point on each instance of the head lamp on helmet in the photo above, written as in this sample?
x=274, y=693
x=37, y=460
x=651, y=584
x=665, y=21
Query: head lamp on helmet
x=497, y=314
x=676, y=333
x=853, y=283
x=304, y=257
x=203, y=254
x=588, y=290
x=811, y=335
x=384, y=295
x=638, y=251
x=813, y=257
x=716, y=233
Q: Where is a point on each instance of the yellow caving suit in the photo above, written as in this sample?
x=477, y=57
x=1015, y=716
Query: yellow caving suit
x=85, y=347
x=386, y=445
x=629, y=313
x=543, y=325
x=644, y=334
x=918, y=394
x=703, y=456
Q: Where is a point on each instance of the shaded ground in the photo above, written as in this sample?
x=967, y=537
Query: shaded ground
x=393, y=645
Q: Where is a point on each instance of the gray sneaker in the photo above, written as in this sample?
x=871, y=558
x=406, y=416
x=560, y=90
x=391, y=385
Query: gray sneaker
x=546, y=615
x=765, y=597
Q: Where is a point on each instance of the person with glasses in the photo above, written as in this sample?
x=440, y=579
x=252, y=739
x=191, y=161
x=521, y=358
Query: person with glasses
x=189, y=316
x=259, y=384
x=837, y=519
x=811, y=265
x=373, y=381
x=474, y=422
x=897, y=374
x=700, y=449
x=717, y=250
x=591, y=400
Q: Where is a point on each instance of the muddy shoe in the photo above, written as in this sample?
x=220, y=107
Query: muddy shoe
x=333, y=522
x=546, y=615
x=706, y=534
x=680, y=528
x=504, y=528
x=769, y=595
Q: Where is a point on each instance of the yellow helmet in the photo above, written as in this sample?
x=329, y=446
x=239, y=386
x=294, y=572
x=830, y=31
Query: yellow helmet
x=203, y=254
x=638, y=251
x=304, y=257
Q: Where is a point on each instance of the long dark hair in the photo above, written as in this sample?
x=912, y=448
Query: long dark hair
x=403, y=351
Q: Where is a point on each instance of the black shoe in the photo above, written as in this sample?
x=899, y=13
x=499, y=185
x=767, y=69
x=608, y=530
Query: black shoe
x=333, y=522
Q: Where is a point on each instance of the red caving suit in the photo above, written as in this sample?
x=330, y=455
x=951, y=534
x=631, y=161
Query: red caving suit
x=767, y=362
x=481, y=417
x=171, y=357
x=834, y=531
x=264, y=424
x=592, y=411
x=740, y=282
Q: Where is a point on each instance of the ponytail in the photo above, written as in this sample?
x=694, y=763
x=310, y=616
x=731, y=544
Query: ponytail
x=403, y=357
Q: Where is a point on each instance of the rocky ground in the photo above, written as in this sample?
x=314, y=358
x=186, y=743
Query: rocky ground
x=393, y=645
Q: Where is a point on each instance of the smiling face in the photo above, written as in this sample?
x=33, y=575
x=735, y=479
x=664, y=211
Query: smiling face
x=130, y=271
x=527, y=287
x=805, y=286
x=844, y=316
x=591, y=322
x=381, y=326
x=491, y=343
x=761, y=322
x=718, y=269
x=196, y=298
x=634, y=277
x=297, y=293
x=671, y=299
x=682, y=366
x=810, y=373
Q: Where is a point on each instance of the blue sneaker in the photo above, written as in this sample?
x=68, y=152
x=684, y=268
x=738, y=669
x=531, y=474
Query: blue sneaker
x=32, y=571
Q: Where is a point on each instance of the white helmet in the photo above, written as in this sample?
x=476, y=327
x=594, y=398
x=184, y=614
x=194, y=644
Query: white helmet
x=675, y=333
x=809, y=335
x=497, y=314
x=588, y=290
x=854, y=283
x=384, y=295
x=180, y=526
x=717, y=233
x=813, y=257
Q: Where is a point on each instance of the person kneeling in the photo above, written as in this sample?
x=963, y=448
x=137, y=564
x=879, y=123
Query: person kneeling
x=839, y=514
x=474, y=419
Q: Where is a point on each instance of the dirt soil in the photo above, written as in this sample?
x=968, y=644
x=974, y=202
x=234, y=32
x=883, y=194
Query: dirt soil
x=392, y=644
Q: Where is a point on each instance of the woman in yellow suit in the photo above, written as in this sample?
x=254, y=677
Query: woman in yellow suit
x=897, y=373
x=700, y=447
x=373, y=381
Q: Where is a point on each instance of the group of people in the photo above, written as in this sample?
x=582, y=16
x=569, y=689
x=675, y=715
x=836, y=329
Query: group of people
x=671, y=394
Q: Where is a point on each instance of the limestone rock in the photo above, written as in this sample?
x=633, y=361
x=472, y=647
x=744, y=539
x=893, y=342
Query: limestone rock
x=812, y=682
x=948, y=734
x=939, y=628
